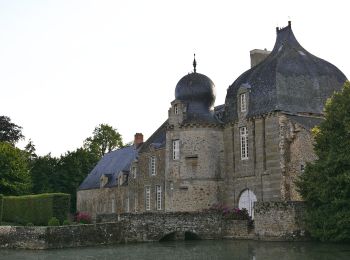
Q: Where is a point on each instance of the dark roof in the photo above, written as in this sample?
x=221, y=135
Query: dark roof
x=198, y=92
x=290, y=79
x=157, y=139
x=305, y=121
x=111, y=164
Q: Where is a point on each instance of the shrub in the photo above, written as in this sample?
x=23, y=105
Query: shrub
x=83, y=218
x=36, y=209
x=66, y=222
x=53, y=222
x=30, y=224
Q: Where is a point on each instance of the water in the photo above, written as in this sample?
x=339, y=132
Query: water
x=218, y=249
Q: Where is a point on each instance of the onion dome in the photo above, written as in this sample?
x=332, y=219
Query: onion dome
x=290, y=79
x=198, y=92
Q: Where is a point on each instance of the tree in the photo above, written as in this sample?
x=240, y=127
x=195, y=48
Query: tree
x=105, y=139
x=9, y=132
x=43, y=174
x=71, y=170
x=325, y=184
x=14, y=172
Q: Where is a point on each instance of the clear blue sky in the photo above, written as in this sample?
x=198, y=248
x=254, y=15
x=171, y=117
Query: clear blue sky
x=67, y=66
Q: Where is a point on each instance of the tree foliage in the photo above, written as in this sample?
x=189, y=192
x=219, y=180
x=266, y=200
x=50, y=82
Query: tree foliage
x=14, y=172
x=325, y=184
x=105, y=139
x=9, y=132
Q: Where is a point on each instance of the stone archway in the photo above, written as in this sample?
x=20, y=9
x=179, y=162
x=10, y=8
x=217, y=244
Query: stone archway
x=246, y=200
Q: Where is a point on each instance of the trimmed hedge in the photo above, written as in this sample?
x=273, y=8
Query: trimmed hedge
x=36, y=209
x=1, y=201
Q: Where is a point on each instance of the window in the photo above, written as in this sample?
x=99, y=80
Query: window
x=244, y=142
x=135, y=203
x=176, y=149
x=133, y=171
x=113, y=205
x=159, y=197
x=176, y=109
x=148, y=197
x=243, y=99
x=152, y=165
x=127, y=204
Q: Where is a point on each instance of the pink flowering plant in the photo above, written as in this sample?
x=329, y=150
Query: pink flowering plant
x=230, y=213
x=83, y=218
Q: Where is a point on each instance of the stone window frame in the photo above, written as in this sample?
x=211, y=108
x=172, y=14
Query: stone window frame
x=176, y=149
x=159, y=197
x=243, y=102
x=152, y=165
x=134, y=171
x=243, y=136
x=147, y=198
x=176, y=109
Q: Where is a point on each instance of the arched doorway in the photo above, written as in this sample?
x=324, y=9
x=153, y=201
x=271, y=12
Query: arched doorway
x=246, y=200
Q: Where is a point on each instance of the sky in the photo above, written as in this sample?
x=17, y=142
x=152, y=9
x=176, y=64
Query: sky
x=67, y=66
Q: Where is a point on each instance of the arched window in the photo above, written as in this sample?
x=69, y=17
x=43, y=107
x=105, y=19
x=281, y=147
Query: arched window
x=246, y=200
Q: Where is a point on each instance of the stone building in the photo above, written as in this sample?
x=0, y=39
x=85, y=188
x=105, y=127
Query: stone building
x=252, y=148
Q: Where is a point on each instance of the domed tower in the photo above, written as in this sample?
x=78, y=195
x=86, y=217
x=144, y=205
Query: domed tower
x=194, y=152
x=269, y=112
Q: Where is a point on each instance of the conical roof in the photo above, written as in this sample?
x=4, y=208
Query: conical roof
x=290, y=79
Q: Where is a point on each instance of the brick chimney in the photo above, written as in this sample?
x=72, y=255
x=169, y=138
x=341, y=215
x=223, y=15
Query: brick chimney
x=138, y=139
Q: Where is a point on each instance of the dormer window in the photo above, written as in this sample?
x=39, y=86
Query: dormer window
x=176, y=109
x=243, y=102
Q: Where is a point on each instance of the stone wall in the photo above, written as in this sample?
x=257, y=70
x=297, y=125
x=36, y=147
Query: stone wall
x=103, y=200
x=193, y=181
x=280, y=221
x=261, y=172
x=145, y=227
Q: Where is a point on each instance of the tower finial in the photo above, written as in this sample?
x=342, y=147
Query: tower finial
x=194, y=63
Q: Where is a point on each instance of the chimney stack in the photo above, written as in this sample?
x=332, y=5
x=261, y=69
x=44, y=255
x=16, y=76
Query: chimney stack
x=257, y=56
x=138, y=139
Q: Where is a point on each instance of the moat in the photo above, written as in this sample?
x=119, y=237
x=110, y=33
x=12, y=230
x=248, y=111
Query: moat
x=209, y=249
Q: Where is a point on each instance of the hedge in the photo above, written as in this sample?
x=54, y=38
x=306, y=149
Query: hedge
x=1, y=200
x=36, y=209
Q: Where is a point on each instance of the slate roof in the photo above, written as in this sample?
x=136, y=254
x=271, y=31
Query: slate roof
x=290, y=79
x=198, y=92
x=111, y=164
x=307, y=122
x=157, y=139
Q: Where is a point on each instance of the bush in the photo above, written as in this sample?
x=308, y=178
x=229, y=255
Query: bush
x=66, y=222
x=53, y=222
x=1, y=203
x=83, y=218
x=30, y=224
x=36, y=209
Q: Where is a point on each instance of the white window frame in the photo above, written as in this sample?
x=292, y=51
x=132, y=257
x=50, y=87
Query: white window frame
x=159, y=197
x=152, y=165
x=243, y=102
x=176, y=109
x=243, y=132
x=148, y=198
x=176, y=150
x=134, y=171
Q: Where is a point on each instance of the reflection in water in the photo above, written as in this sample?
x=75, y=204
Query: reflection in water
x=209, y=249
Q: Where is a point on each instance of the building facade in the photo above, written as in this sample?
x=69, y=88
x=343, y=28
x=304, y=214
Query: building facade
x=252, y=148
